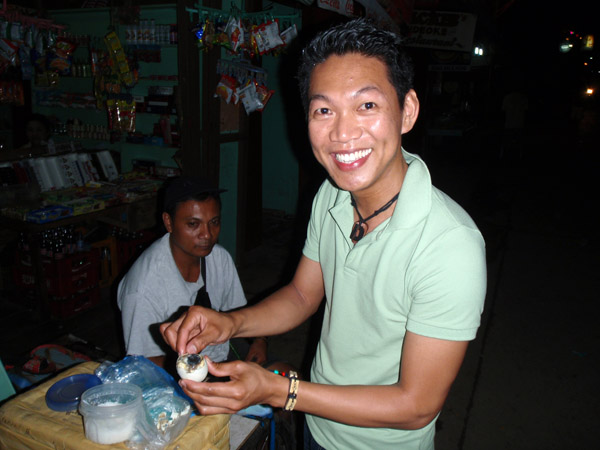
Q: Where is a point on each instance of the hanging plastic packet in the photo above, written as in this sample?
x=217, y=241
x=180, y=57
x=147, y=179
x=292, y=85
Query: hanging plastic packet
x=209, y=34
x=198, y=32
x=289, y=34
x=38, y=56
x=119, y=59
x=267, y=37
x=28, y=36
x=249, y=98
x=127, y=115
x=235, y=33
x=60, y=58
x=8, y=52
x=113, y=114
x=121, y=114
x=264, y=95
x=226, y=89
x=15, y=31
x=27, y=69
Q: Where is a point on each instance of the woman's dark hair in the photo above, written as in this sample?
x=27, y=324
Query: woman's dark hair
x=363, y=37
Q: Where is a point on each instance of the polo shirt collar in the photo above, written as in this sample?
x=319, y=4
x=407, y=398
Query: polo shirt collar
x=413, y=205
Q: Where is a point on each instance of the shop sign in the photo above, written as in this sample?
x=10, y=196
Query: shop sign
x=441, y=30
x=344, y=7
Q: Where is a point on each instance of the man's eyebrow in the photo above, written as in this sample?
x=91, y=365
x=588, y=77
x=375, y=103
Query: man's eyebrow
x=365, y=90
x=318, y=97
x=358, y=93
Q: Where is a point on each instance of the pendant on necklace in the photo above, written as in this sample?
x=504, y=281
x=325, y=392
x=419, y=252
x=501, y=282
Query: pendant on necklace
x=359, y=229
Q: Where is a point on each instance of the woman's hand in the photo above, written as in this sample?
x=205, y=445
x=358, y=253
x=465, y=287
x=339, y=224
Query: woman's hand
x=249, y=385
x=197, y=328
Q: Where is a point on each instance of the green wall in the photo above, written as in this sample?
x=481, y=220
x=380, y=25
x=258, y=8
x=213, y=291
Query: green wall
x=279, y=164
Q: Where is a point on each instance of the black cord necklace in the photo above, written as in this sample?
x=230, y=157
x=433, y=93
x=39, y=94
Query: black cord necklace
x=360, y=227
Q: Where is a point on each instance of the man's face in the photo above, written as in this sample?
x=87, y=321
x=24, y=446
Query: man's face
x=355, y=122
x=195, y=228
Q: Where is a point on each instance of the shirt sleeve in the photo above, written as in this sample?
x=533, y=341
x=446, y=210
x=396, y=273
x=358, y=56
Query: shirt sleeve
x=448, y=293
x=140, y=321
x=313, y=231
x=228, y=283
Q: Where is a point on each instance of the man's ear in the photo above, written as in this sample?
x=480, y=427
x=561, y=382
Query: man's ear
x=167, y=221
x=410, y=111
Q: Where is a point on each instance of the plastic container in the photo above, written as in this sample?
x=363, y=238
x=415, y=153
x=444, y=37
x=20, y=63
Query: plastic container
x=111, y=412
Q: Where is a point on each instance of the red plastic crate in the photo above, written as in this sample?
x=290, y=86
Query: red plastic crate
x=72, y=274
x=66, y=307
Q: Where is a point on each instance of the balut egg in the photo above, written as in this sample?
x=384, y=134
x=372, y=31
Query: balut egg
x=192, y=367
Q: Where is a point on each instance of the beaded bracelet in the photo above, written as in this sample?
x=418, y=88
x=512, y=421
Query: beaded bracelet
x=290, y=403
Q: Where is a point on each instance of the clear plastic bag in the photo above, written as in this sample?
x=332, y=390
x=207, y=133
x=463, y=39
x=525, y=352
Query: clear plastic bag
x=166, y=407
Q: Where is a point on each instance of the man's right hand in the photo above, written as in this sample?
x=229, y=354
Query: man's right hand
x=197, y=328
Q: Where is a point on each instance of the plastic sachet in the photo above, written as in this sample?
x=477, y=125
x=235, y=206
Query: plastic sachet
x=167, y=408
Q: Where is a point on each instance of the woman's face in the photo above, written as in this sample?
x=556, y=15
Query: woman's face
x=36, y=132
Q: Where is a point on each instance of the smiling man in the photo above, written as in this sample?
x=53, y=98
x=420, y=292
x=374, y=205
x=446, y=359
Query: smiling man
x=400, y=266
x=185, y=267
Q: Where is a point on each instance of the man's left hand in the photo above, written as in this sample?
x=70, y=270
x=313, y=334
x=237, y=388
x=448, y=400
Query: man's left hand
x=249, y=384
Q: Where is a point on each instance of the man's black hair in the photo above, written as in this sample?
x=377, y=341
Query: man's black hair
x=360, y=36
x=182, y=189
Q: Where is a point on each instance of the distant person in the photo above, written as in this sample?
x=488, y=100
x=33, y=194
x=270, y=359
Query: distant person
x=400, y=267
x=184, y=267
x=38, y=131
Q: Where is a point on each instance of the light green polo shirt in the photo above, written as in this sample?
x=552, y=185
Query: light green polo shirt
x=421, y=270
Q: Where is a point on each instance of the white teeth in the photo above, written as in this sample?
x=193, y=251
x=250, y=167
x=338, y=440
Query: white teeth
x=351, y=157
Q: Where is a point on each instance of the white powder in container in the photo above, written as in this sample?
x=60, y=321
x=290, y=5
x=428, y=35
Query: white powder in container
x=110, y=412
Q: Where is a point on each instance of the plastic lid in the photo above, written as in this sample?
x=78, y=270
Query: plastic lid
x=64, y=395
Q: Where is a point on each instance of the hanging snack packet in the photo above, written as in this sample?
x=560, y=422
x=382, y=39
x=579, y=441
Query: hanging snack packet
x=198, y=32
x=27, y=69
x=267, y=37
x=264, y=95
x=289, y=34
x=235, y=33
x=209, y=35
x=119, y=58
x=8, y=52
x=220, y=37
x=60, y=57
x=249, y=98
x=127, y=115
x=226, y=89
x=113, y=114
